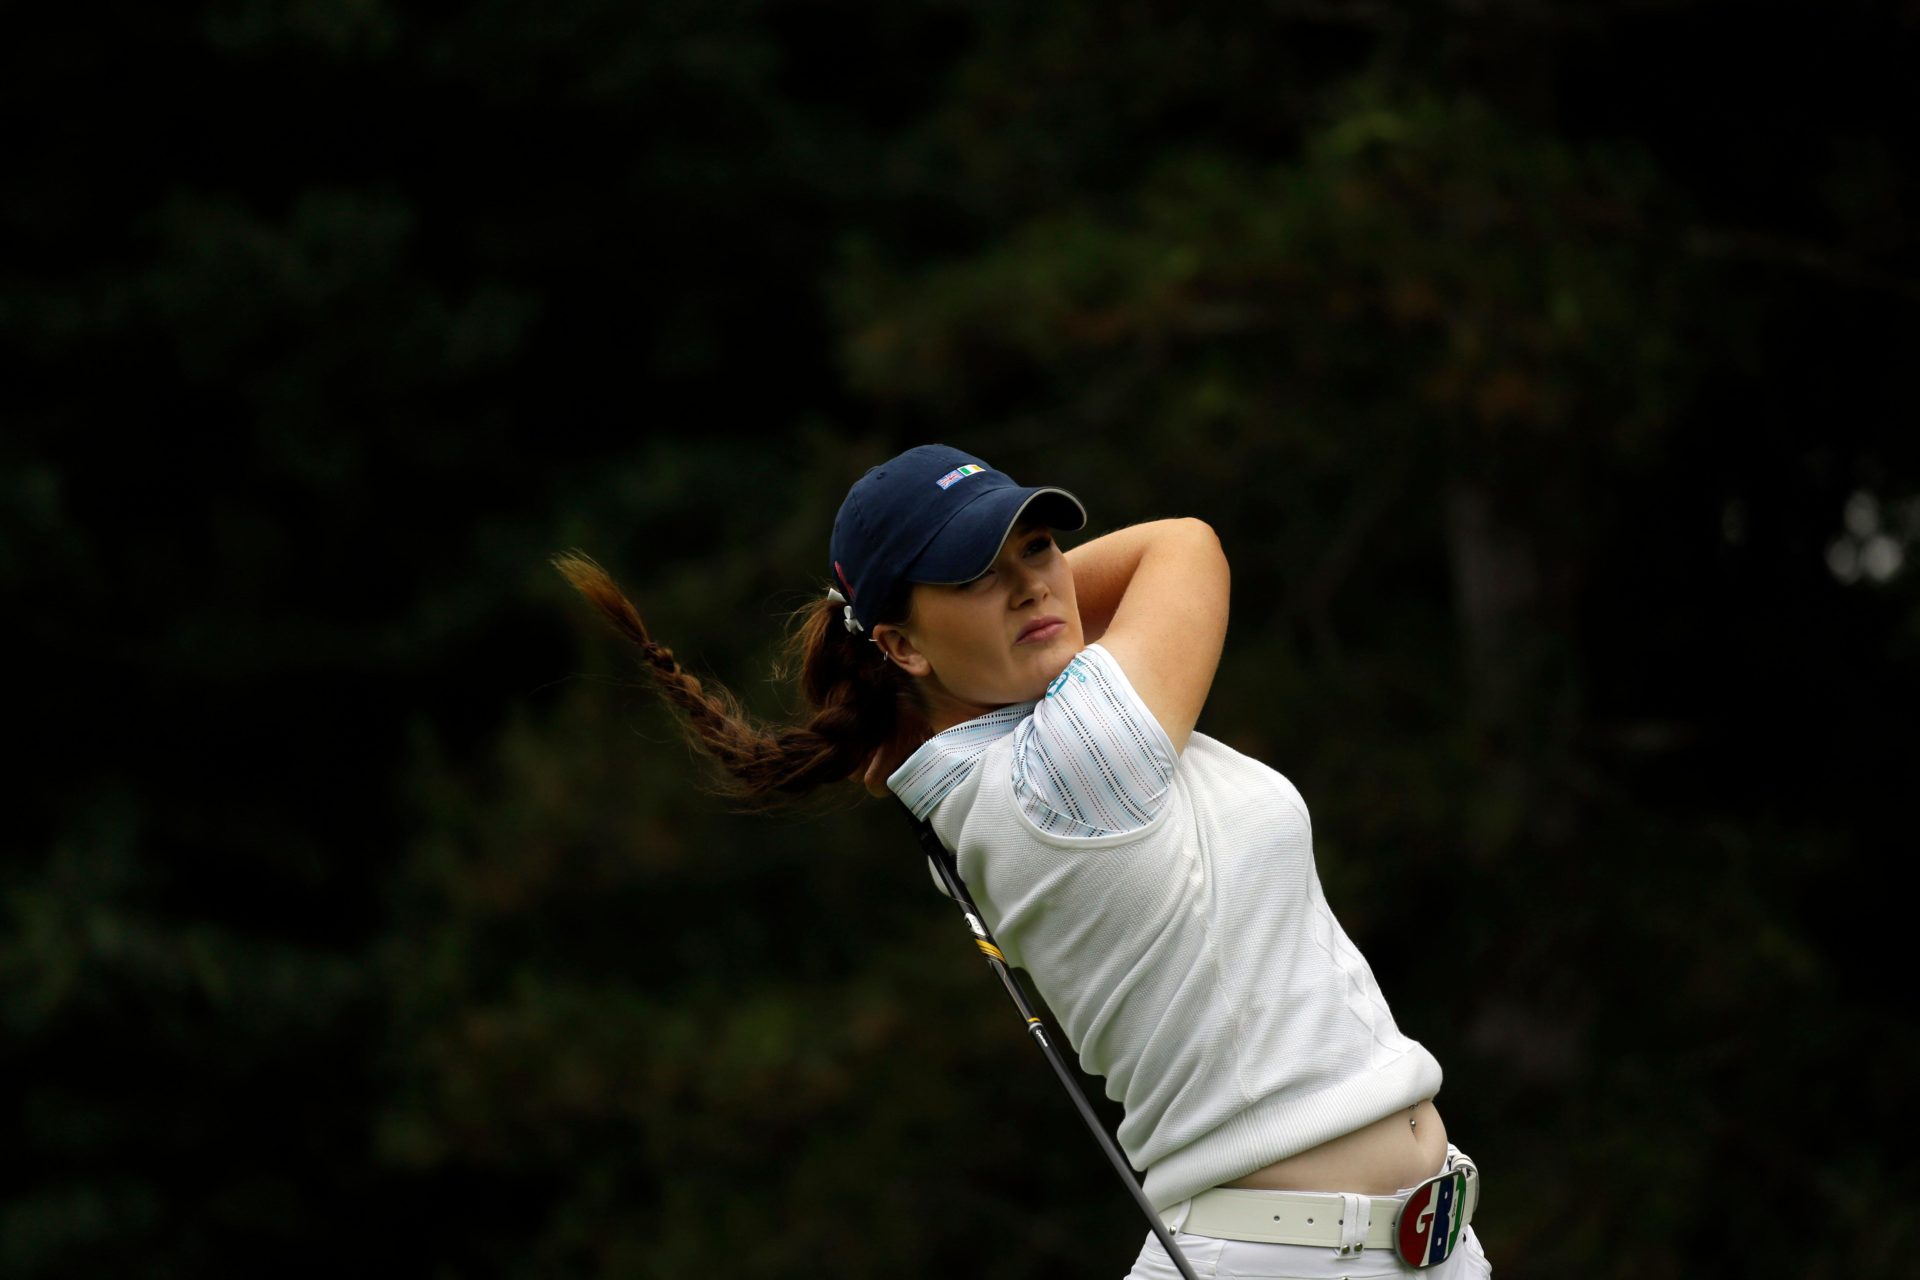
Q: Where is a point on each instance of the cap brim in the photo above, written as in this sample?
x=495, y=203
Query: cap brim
x=965, y=548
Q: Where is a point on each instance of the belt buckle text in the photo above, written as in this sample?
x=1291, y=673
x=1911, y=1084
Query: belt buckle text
x=1430, y=1223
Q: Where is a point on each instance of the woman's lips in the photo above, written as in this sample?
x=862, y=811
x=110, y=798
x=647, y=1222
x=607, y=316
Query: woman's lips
x=1040, y=630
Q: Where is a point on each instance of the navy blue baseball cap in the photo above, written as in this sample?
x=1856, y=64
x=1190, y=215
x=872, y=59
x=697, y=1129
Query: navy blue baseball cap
x=931, y=514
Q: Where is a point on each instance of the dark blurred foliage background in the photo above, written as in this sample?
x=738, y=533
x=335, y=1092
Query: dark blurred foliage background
x=1543, y=366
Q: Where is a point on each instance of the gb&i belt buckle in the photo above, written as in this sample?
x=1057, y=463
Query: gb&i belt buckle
x=1429, y=1225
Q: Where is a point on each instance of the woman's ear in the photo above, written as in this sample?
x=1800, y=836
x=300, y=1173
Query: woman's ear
x=899, y=650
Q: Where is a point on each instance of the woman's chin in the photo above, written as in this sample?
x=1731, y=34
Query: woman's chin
x=1056, y=659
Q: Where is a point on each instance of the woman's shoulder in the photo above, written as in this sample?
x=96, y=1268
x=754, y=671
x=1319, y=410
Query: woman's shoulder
x=948, y=758
x=1091, y=760
x=1088, y=759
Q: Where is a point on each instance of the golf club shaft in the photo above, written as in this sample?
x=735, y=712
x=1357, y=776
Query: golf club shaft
x=949, y=873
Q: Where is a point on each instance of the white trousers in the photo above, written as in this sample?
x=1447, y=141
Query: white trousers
x=1215, y=1259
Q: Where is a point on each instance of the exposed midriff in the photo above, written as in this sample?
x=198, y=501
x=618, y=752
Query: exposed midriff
x=1394, y=1151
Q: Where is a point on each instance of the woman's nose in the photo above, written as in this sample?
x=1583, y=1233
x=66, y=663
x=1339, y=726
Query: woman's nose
x=1028, y=585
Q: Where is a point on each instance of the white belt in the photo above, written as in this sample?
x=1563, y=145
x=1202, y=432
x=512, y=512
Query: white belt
x=1292, y=1217
x=1346, y=1222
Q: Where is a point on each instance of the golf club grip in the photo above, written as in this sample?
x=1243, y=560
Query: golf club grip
x=949, y=873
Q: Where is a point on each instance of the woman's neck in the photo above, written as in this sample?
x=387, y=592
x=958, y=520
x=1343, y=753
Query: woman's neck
x=944, y=710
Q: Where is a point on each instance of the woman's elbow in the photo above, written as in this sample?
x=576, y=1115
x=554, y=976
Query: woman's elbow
x=1187, y=529
x=1202, y=537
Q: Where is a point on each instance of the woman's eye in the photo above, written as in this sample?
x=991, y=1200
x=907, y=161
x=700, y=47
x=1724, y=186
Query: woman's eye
x=1041, y=543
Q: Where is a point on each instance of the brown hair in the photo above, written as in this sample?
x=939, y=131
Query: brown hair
x=860, y=701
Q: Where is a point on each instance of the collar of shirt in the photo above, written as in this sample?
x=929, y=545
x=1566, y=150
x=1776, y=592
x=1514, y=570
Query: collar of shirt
x=944, y=760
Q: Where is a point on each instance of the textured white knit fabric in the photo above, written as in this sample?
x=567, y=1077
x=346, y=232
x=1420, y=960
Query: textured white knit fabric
x=1192, y=961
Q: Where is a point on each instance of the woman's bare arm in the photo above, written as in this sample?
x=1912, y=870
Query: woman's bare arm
x=1155, y=597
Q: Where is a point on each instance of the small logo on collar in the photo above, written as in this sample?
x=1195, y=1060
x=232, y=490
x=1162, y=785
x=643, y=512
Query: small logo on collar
x=1077, y=669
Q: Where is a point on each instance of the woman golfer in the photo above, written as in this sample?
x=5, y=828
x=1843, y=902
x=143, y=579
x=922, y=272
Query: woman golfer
x=1037, y=706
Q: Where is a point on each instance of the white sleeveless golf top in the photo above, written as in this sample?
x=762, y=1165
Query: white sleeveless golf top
x=1168, y=911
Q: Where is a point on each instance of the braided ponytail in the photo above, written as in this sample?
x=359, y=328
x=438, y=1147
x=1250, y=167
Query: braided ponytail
x=860, y=702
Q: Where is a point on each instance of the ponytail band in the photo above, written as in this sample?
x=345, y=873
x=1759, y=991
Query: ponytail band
x=847, y=619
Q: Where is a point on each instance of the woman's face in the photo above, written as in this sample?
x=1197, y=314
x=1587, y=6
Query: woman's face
x=999, y=639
